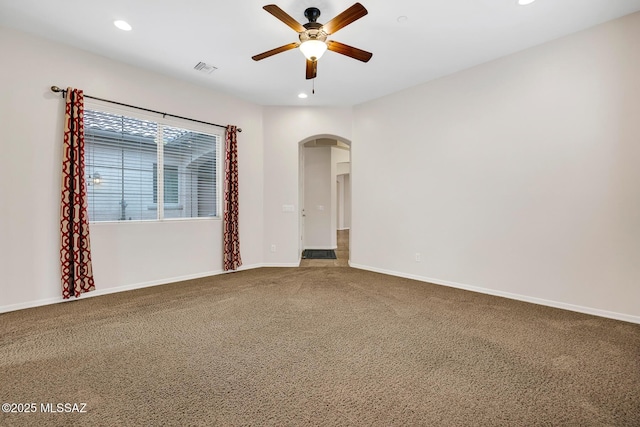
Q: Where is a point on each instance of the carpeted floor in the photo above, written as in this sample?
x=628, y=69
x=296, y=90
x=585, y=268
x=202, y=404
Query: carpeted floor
x=315, y=346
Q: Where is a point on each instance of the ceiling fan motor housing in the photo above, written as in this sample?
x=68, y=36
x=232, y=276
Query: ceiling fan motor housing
x=313, y=30
x=312, y=14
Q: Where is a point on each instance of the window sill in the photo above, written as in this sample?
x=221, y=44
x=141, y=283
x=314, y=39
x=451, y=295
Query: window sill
x=155, y=221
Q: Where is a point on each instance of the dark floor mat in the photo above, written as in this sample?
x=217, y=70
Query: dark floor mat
x=319, y=254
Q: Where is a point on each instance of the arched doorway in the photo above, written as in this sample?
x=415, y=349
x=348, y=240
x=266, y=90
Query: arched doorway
x=325, y=197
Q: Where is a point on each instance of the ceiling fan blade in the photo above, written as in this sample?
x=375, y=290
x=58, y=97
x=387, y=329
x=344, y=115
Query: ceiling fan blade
x=312, y=69
x=353, y=52
x=284, y=17
x=272, y=52
x=354, y=13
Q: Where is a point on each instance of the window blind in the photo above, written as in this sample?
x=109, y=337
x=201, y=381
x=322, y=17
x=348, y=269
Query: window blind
x=122, y=155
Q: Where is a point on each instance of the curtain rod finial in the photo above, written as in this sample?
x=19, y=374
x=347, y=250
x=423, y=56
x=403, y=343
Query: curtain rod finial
x=55, y=89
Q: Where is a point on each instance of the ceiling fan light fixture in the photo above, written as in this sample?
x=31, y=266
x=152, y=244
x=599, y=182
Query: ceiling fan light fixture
x=313, y=49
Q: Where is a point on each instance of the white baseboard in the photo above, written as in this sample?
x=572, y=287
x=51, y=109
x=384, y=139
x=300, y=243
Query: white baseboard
x=99, y=292
x=343, y=229
x=31, y=304
x=565, y=306
x=124, y=288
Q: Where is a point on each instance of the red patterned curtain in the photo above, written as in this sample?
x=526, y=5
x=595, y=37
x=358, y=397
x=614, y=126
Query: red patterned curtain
x=75, y=249
x=232, y=258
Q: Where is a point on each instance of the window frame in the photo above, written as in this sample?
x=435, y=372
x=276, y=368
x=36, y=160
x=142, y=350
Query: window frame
x=107, y=107
x=174, y=170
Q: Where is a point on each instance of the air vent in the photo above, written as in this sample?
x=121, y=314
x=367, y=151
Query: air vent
x=205, y=68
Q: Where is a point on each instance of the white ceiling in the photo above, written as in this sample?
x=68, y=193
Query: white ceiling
x=438, y=37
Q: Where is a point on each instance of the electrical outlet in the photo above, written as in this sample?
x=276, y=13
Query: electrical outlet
x=273, y=248
x=418, y=258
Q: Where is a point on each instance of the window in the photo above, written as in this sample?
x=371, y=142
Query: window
x=122, y=155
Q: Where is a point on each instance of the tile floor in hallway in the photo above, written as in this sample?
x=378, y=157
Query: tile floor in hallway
x=342, y=253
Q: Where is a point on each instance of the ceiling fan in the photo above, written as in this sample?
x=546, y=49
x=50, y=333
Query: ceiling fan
x=313, y=36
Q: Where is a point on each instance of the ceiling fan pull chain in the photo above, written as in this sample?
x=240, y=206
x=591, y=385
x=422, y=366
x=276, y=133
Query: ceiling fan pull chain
x=313, y=89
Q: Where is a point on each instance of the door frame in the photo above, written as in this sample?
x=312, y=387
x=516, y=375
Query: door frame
x=301, y=207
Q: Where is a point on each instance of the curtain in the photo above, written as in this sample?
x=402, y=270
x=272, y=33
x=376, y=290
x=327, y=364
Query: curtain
x=232, y=258
x=75, y=249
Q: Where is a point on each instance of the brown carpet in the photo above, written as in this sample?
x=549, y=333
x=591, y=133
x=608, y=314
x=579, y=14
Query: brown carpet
x=313, y=346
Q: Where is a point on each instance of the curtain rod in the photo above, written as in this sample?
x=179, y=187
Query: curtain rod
x=56, y=89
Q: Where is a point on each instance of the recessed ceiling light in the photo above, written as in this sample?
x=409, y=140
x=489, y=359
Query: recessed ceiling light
x=525, y=2
x=302, y=95
x=402, y=19
x=123, y=25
